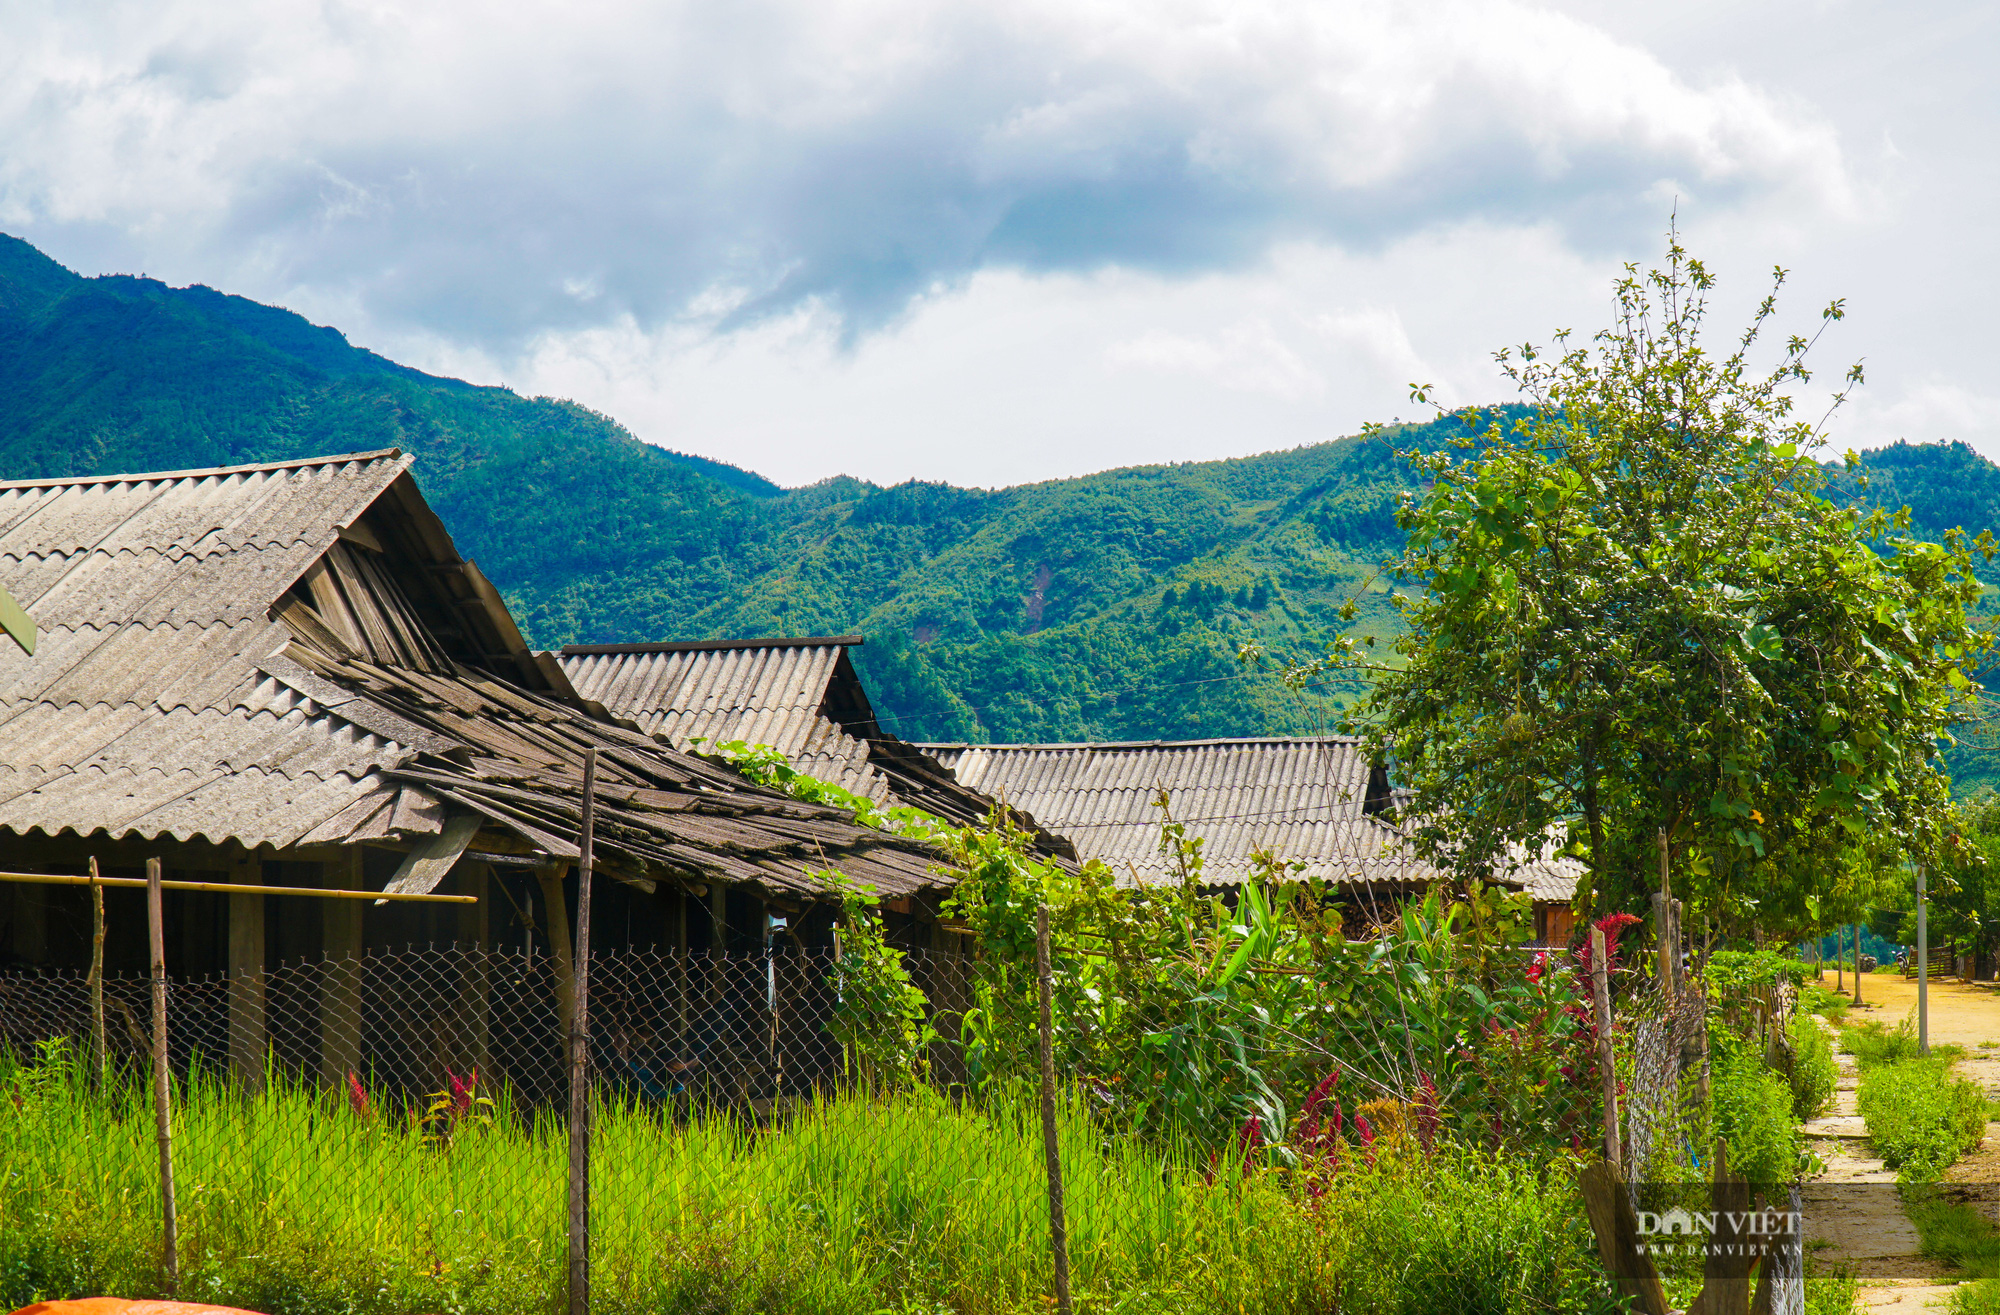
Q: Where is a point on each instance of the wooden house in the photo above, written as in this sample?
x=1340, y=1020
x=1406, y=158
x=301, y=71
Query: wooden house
x=285, y=674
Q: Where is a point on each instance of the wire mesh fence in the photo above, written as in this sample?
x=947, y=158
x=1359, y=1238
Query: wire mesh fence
x=422, y=1097
x=407, y=1114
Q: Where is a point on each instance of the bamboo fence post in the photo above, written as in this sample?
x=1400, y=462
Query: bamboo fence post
x=98, y=1058
x=1663, y=922
x=1600, y=997
x=579, y=1058
x=1051, y=1149
x=162, y=1107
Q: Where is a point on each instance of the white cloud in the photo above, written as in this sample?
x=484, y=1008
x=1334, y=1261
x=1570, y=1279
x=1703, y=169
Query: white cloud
x=999, y=241
x=1928, y=410
x=1247, y=357
x=463, y=167
x=1378, y=337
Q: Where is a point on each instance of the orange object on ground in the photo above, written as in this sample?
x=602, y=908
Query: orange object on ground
x=121, y=1306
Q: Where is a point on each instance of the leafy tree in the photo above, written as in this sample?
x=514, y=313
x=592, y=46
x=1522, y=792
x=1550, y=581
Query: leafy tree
x=1641, y=624
x=1963, y=894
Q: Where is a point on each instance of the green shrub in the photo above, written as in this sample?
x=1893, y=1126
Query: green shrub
x=1825, y=1001
x=1733, y=969
x=1920, y=1118
x=1814, y=1074
x=1872, y=1044
x=1978, y=1298
x=1753, y=1112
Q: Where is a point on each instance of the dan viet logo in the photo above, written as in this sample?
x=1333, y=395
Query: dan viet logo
x=1715, y=1232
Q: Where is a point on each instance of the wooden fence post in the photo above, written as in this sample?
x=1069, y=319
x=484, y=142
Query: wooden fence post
x=1663, y=919
x=170, y=1263
x=248, y=1034
x=1051, y=1147
x=98, y=1058
x=1615, y=1224
x=579, y=1057
x=340, y=977
x=556, y=927
x=1600, y=996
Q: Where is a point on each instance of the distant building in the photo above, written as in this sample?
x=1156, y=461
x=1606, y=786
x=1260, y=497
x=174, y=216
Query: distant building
x=1314, y=802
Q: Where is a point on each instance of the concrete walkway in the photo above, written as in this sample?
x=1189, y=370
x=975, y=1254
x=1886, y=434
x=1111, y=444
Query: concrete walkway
x=1852, y=1206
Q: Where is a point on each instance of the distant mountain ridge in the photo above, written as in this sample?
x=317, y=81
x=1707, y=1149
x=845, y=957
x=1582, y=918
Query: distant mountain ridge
x=1108, y=606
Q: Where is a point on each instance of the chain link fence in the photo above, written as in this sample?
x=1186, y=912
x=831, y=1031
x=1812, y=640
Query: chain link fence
x=357, y=1126
x=415, y=1105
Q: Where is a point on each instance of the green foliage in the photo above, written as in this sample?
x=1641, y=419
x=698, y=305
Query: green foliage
x=1752, y=1109
x=879, y=1019
x=766, y=765
x=1731, y=970
x=1964, y=887
x=1814, y=1076
x=1638, y=617
x=1871, y=1043
x=1919, y=1117
x=1185, y=1014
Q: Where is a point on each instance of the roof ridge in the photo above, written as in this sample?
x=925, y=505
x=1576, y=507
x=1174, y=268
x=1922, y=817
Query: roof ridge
x=709, y=645
x=1145, y=744
x=385, y=453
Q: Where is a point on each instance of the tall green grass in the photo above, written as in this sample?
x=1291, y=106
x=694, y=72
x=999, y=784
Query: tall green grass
x=1920, y=1117
x=1814, y=1075
x=291, y=1202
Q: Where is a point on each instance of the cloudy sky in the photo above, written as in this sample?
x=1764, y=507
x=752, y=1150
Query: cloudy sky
x=998, y=242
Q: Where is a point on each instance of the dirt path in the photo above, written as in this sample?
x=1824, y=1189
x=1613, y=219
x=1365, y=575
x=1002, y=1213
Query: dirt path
x=1857, y=1210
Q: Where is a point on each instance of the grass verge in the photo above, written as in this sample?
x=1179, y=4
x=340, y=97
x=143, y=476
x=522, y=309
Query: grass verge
x=295, y=1203
x=1920, y=1118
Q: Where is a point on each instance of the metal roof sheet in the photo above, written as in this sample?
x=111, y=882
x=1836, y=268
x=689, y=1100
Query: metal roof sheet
x=141, y=710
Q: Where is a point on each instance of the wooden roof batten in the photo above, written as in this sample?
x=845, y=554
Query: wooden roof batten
x=293, y=655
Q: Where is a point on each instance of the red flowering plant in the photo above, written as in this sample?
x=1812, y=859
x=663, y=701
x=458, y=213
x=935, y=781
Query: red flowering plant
x=1317, y=1140
x=357, y=1097
x=1537, y=1064
x=457, y=1107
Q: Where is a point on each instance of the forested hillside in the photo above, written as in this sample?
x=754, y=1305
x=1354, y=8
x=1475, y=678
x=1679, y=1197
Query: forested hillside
x=1110, y=606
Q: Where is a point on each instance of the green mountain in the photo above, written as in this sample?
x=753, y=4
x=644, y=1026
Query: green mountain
x=1110, y=606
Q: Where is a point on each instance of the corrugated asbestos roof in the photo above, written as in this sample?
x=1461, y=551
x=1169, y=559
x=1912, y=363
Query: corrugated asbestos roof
x=769, y=693
x=212, y=665
x=1308, y=801
x=799, y=696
